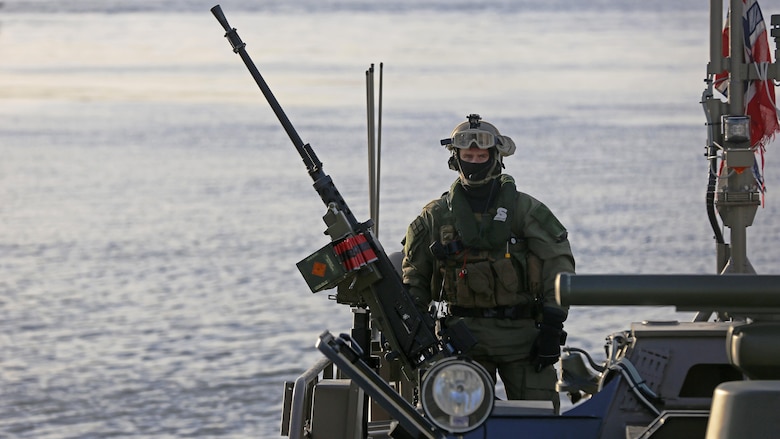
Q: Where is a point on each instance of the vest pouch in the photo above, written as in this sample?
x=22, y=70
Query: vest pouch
x=475, y=288
x=529, y=275
x=507, y=283
x=455, y=289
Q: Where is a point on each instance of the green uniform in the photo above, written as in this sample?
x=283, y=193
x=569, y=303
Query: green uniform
x=494, y=271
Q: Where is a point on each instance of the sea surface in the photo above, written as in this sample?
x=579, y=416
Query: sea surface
x=152, y=209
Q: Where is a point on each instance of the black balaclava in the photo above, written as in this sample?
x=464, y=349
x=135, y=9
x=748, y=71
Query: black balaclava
x=477, y=174
x=479, y=182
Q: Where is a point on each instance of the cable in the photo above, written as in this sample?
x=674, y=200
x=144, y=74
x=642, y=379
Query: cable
x=636, y=384
x=712, y=157
x=596, y=367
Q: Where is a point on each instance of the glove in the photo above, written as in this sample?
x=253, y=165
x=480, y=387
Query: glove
x=547, y=346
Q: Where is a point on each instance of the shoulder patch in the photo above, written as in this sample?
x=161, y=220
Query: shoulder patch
x=417, y=226
x=549, y=223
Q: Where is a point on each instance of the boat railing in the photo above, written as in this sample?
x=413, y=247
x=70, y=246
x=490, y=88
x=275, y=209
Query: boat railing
x=298, y=399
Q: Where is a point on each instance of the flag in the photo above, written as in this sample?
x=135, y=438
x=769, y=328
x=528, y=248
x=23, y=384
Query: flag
x=759, y=94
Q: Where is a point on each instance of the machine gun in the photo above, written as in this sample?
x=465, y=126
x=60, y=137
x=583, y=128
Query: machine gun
x=355, y=261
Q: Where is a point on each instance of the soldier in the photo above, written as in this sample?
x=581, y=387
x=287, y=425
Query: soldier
x=491, y=254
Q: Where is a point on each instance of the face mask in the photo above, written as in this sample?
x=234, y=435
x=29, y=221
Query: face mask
x=478, y=173
x=475, y=171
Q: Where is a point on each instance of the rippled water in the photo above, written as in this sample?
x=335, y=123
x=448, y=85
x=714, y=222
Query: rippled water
x=152, y=210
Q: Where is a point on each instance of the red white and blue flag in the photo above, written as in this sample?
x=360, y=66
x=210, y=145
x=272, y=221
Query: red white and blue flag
x=759, y=94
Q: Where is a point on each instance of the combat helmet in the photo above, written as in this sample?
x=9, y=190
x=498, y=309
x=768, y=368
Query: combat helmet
x=483, y=135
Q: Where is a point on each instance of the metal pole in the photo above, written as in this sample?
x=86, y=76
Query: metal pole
x=737, y=54
x=716, y=37
x=378, y=152
x=370, y=123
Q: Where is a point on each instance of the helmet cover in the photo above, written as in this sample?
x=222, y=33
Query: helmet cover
x=483, y=135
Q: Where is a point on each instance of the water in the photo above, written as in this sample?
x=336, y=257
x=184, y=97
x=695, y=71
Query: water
x=152, y=210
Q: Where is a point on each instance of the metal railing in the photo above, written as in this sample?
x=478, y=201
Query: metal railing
x=296, y=414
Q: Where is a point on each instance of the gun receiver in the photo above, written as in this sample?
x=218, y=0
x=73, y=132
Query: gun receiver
x=355, y=256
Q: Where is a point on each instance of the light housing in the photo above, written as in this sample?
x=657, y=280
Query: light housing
x=457, y=395
x=736, y=129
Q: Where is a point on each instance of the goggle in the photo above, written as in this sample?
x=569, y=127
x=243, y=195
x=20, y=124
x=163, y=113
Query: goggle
x=465, y=140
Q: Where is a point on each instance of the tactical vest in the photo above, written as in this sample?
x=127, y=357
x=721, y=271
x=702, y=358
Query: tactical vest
x=471, y=278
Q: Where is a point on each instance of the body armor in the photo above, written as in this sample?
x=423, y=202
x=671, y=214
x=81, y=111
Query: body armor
x=505, y=276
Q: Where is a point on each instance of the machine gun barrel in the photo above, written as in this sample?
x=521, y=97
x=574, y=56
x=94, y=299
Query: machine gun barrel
x=685, y=291
x=322, y=182
x=409, y=331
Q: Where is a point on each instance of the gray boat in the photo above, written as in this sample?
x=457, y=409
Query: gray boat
x=717, y=376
